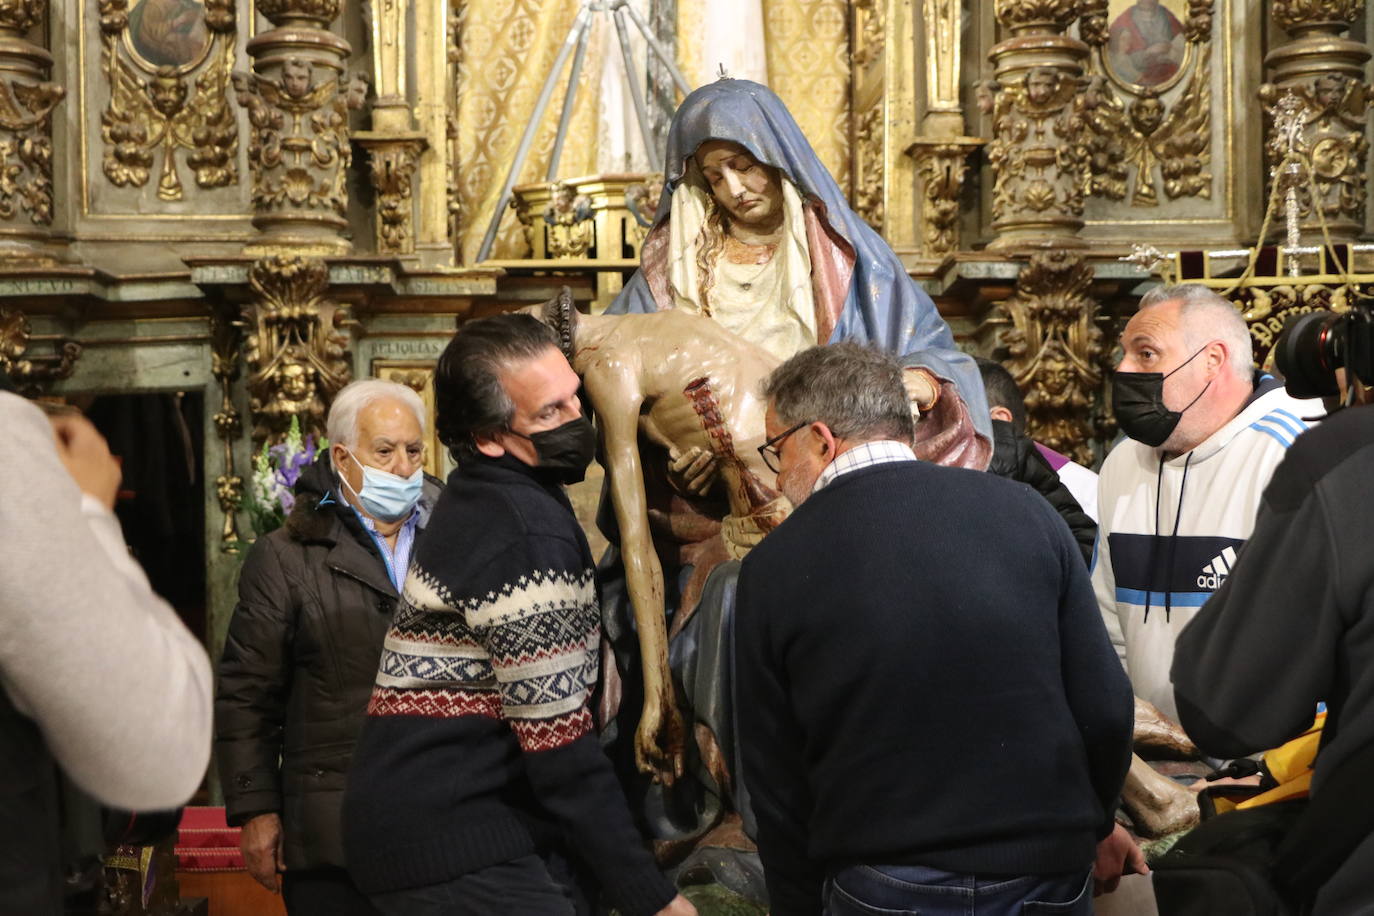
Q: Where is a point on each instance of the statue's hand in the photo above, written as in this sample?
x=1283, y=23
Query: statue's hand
x=660, y=740
x=693, y=471
x=922, y=389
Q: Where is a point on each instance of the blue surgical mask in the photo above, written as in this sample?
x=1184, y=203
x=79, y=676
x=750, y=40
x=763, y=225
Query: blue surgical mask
x=387, y=497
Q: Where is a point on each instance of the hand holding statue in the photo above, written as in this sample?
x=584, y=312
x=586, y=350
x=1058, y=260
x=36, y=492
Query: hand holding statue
x=692, y=471
x=922, y=388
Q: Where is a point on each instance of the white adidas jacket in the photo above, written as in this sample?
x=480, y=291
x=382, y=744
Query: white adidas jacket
x=1169, y=531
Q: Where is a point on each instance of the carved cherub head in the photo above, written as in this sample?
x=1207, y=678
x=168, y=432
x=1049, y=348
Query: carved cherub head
x=1327, y=90
x=1147, y=113
x=1041, y=85
x=167, y=92
x=297, y=78
x=296, y=381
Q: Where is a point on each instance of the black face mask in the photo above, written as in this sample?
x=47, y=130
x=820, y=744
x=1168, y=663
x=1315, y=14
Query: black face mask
x=565, y=451
x=1138, y=400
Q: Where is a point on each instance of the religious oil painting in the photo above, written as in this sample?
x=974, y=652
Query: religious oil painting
x=1145, y=40
x=169, y=33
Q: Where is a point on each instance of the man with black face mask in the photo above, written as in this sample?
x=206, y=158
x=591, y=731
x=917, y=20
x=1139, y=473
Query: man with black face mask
x=479, y=785
x=1177, y=499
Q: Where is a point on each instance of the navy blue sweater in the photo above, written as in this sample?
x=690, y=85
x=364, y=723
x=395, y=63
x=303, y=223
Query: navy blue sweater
x=479, y=746
x=923, y=677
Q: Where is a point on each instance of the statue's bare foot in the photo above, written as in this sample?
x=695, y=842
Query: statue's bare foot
x=1158, y=806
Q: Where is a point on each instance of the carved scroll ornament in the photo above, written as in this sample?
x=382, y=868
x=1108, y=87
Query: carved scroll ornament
x=168, y=97
x=225, y=337
x=29, y=370
x=1290, y=14
x=392, y=165
x=1138, y=139
x=941, y=167
x=296, y=357
x=1055, y=350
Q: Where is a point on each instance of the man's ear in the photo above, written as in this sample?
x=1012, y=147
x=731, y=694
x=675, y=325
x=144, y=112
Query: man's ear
x=1218, y=355
x=1000, y=413
x=488, y=446
x=827, y=446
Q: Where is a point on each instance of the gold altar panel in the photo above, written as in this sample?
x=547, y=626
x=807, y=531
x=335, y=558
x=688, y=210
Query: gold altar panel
x=159, y=134
x=506, y=49
x=807, y=43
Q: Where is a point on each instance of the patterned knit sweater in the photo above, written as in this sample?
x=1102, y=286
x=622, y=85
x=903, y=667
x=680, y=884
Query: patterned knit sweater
x=479, y=746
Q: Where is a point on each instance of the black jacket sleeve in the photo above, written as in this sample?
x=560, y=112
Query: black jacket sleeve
x=773, y=760
x=1016, y=458
x=254, y=680
x=1250, y=668
x=1098, y=691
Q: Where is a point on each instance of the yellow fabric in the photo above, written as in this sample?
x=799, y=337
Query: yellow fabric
x=1291, y=766
x=809, y=68
x=506, y=49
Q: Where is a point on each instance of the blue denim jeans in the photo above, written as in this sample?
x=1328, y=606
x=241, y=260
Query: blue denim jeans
x=904, y=890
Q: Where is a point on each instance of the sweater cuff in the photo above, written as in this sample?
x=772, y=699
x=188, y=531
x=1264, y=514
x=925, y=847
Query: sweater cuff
x=642, y=892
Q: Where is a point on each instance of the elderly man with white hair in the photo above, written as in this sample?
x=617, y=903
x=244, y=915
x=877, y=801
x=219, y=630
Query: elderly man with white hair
x=315, y=601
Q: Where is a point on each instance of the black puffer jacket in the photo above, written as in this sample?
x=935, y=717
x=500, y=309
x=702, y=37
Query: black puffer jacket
x=298, y=667
x=1016, y=458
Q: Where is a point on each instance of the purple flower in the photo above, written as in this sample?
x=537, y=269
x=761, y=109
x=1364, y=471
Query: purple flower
x=287, y=500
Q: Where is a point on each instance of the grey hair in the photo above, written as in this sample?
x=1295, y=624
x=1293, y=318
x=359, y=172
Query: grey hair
x=855, y=390
x=1206, y=316
x=342, y=425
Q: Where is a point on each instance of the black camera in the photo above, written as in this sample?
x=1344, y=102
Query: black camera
x=1314, y=345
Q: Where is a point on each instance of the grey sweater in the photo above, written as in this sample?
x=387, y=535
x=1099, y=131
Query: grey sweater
x=118, y=686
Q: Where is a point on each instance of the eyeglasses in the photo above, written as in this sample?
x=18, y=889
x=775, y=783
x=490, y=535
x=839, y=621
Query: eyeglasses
x=770, y=451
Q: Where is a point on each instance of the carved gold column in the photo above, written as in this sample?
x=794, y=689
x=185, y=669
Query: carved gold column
x=941, y=151
x=1325, y=71
x=225, y=337
x=1038, y=154
x=297, y=99
x=26, y=189
x=296, y=356
x=1055, y=350
x=393, y=146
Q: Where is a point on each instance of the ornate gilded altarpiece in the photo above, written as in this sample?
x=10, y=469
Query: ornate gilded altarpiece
x=260, y=201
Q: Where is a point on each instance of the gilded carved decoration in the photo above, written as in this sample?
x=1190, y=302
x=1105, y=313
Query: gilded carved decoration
x=1055, y=350
x=872, y=33
x=1039, y=154
x=1320, y=75
x=168, y=98
x=297, y=100
x=941, y=167
x=296, y=356
x=30, y=370
x=27, y=100
x=1028, y=16
x=225, y=338
x=1291, y=14
x=1140, y=141
x=299, y=149
x=568, y=218
x=392, y=164
x=869, y=166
